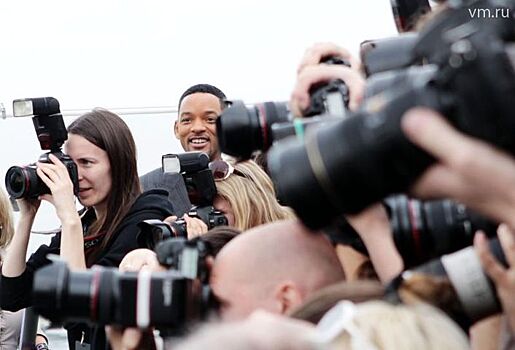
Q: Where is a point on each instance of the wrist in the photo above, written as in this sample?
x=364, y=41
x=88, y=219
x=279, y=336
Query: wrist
x=69, y=216
x=71, y=221
x=28, y=215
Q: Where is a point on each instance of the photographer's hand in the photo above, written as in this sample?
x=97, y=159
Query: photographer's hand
x=311, y=71
x=140, y=259
x=504, y=278
x=56, y=177
x=469, y=170
x=194, y=226
x=313, y=55
x=129, y=338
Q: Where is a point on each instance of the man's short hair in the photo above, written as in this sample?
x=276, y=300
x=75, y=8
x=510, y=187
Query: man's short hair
x=204, y=88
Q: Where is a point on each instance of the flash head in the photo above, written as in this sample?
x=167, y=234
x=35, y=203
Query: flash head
x=186, y=163
x=35, y=106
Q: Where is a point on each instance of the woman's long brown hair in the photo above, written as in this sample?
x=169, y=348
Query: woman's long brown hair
x=109, y=132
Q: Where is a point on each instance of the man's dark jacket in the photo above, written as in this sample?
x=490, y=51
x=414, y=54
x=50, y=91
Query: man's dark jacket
x=173, y=183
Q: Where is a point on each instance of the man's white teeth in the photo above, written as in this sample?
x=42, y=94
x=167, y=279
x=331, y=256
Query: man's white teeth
x=198, y=141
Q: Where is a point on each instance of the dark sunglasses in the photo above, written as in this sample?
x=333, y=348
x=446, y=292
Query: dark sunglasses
x=222, y=170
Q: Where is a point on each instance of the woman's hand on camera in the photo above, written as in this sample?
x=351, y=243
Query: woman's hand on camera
x=311, y=72
x=55, y=176
x=194, y=226
x=504, y=278
x=468, y=170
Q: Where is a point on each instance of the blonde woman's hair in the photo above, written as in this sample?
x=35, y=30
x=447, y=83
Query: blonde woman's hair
x=6, y=220
x=403, y=327
x=252, y=197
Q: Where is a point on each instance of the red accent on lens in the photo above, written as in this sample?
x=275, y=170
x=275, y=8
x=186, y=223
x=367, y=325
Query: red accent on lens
x=93, y=297
x=27, y=181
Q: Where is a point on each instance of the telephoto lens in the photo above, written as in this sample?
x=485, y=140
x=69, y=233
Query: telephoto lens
x=243, y=130
x=423, y=230
x=107, y=296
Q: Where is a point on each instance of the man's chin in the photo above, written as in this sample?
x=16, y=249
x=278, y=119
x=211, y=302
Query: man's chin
x=205, y=149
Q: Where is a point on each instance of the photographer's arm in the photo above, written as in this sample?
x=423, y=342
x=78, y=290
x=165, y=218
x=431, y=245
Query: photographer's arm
x=469, y=170
x=373, y=226
x=14, y=263
x=504, y=278
x=56, y=177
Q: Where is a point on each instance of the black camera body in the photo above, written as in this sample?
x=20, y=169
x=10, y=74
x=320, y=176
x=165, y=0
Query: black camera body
x=201, y=189
x=23, y=181
x=154, y=231
x=186, y=256
x=362, y=159
x=243, y=130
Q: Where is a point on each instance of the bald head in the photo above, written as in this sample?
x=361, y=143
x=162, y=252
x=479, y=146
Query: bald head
x=273, y=267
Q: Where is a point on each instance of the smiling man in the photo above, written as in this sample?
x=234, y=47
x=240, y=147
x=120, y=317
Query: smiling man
x=195, y=128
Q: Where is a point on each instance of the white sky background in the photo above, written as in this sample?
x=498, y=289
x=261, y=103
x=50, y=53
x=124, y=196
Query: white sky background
x=111, y=54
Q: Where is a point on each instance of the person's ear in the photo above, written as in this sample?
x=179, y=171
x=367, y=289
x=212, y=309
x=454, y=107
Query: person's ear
x=210, y=262
x=288, y=296
x=176, y=130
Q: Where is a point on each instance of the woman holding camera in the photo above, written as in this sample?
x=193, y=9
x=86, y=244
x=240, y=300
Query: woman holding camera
x=102, y=147
x=245, y=195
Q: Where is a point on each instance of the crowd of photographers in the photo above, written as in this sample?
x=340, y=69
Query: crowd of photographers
x=373, y=211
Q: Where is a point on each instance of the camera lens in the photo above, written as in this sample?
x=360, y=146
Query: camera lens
x=23, y=182
x=243, y=130
x=15, y=180
x=426, y=229
x=61, y=295
x=106, y=296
